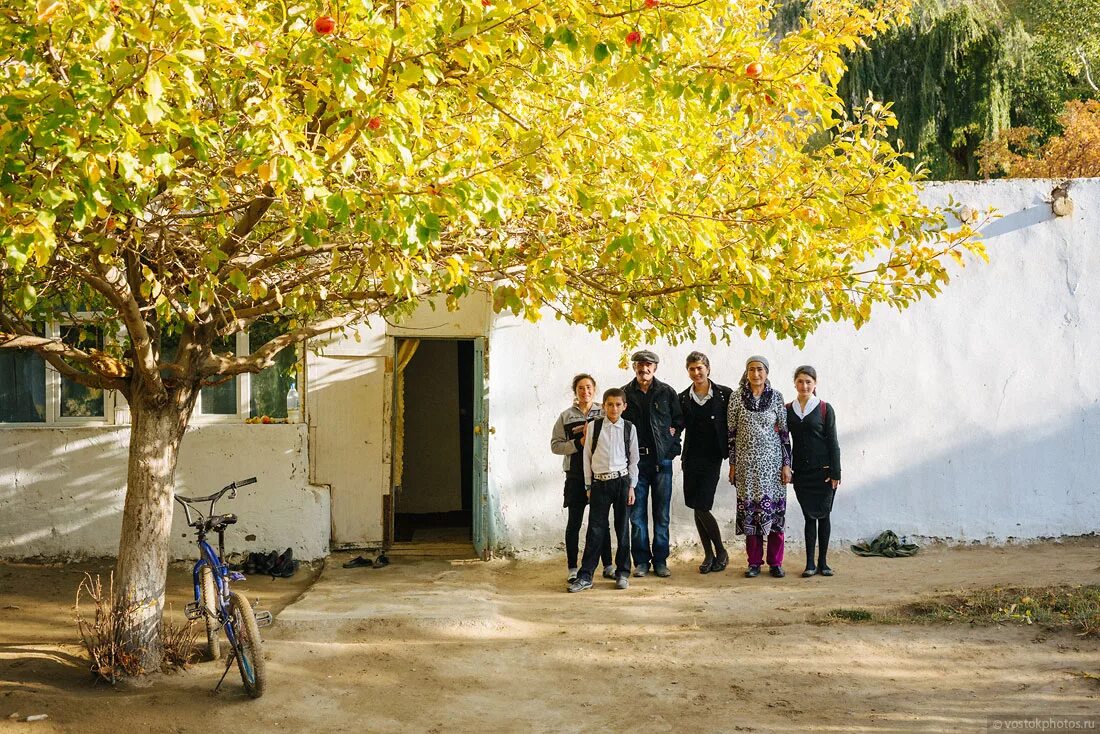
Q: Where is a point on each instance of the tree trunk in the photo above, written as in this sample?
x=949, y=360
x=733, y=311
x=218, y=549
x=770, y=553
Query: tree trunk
x=155, y=435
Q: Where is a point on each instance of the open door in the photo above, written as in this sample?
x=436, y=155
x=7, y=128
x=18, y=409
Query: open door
x=438, y=502
x=482, y=511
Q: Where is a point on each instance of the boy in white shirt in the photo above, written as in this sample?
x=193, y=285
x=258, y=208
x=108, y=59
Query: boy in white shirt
x=610, y=474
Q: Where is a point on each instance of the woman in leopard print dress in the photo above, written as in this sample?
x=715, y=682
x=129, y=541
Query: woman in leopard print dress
x=760, y=465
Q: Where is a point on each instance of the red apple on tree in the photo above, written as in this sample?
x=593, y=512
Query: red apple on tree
x=374, y=123
x=633, y=38
x=324, y=25
x=652, y=3
x=754, y=70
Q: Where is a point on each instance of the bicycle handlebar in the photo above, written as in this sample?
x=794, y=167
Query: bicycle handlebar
x=211, y=498
x=217, y=495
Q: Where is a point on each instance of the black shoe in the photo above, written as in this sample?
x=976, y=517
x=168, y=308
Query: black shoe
x=778, y=572
x=706, y=565
x=825, y=570
x=641, y=571
x=810, y=571
x=753, y=572
x=285, y=565
x=359, y=562
x=609, y=572
x=662, y=571
x=720, y=562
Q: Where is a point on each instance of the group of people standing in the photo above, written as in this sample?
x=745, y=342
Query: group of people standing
x=618, y=460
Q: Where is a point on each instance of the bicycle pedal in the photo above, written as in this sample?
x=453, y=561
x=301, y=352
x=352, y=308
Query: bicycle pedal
x=193, y=610
x=236, y=576
x=263, y=618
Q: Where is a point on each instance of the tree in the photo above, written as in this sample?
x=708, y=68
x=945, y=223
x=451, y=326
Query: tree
x=948, y=77
x=1017, y=153
x=185, y=168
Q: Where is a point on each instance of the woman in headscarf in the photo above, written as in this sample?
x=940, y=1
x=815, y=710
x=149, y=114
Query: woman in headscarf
x=760, y=465
x=816, y=465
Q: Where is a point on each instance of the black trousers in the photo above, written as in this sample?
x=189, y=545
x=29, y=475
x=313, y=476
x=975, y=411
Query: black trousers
x=575, y=501
x=607, y=497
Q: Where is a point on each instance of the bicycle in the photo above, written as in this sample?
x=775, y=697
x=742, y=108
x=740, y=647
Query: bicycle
x=215, y=603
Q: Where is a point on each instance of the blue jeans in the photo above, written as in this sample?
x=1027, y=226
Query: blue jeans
x=654, y=480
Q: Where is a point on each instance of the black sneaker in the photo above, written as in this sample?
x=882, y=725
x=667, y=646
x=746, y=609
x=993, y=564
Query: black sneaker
x=778, y=572
x=753, y=572
x=580, y=585
x=609, y=572
x=641, y=571
x=662, y=571
x=623, y=582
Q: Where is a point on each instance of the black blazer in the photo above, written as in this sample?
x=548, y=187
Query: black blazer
x=719, y=406
x=815, y=442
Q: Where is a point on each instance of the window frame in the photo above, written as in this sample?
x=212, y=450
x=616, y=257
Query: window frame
x=116, y=411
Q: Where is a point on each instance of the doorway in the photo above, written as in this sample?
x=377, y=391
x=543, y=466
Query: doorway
x=435, y=430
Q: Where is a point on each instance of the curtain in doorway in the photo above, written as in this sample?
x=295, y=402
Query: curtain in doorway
x=405, y=354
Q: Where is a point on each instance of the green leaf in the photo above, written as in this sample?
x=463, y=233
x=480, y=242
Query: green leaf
x=601, y=52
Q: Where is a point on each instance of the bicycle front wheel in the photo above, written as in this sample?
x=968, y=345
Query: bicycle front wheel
x=210, y=612
x=248, y=645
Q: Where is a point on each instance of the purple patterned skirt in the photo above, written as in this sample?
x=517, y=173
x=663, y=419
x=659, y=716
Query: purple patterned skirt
x=762, y=517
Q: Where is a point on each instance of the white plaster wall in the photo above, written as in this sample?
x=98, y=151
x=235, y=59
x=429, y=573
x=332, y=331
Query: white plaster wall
x=62, y=489
x=971, y=416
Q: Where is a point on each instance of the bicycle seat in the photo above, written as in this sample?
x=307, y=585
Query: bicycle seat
x=219, y=522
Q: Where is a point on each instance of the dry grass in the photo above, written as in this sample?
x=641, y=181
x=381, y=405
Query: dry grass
x=1072, y=608
x=106, y=632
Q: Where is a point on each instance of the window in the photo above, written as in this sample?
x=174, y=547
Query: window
x=32, y=392
x=22, y=386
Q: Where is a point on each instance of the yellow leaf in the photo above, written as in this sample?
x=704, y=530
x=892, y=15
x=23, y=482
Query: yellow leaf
x=47, y=9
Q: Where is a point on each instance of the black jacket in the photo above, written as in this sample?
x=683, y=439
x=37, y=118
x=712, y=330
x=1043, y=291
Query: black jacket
x=664, y=413
x=815, y=442
x=719, y=406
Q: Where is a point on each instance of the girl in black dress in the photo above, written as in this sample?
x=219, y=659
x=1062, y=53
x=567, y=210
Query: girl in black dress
x=704, y=405
x=812, y=424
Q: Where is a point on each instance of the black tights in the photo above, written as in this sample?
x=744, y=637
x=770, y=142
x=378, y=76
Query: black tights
x=817, y=532
x=709, y=533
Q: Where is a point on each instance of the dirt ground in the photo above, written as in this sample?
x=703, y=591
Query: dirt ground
x=437, y=645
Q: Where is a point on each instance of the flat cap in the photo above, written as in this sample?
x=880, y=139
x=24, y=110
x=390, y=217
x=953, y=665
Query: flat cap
x=644, y=355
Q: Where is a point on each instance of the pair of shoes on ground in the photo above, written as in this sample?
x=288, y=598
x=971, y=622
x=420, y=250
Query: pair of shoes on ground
x=364, y=562
x=643, y=571
x=814, y=571
x=274, y=564
x=776, y=571
x=716, y=564
x=581, y=584
x=608, y=573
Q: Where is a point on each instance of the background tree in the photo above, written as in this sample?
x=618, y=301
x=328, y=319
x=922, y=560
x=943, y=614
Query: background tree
x=186, y=169
x=1017, y=152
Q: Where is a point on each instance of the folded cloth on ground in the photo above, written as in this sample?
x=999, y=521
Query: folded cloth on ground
x=886, y=544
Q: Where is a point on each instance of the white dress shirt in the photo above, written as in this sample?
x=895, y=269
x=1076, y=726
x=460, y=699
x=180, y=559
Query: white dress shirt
x=611, y=454
x=702, y=400
x=801, y=412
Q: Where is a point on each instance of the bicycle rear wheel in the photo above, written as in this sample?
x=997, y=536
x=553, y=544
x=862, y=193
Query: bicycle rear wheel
x=210, y=608
x=248, y=645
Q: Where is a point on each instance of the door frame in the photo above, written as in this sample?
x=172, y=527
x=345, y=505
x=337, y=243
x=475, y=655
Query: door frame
x=481, y=510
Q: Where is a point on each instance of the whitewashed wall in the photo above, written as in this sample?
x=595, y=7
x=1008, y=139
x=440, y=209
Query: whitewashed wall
x=973, y=416
x=61, y=489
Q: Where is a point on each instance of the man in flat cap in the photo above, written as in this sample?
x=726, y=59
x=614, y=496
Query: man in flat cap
x=654, y=408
